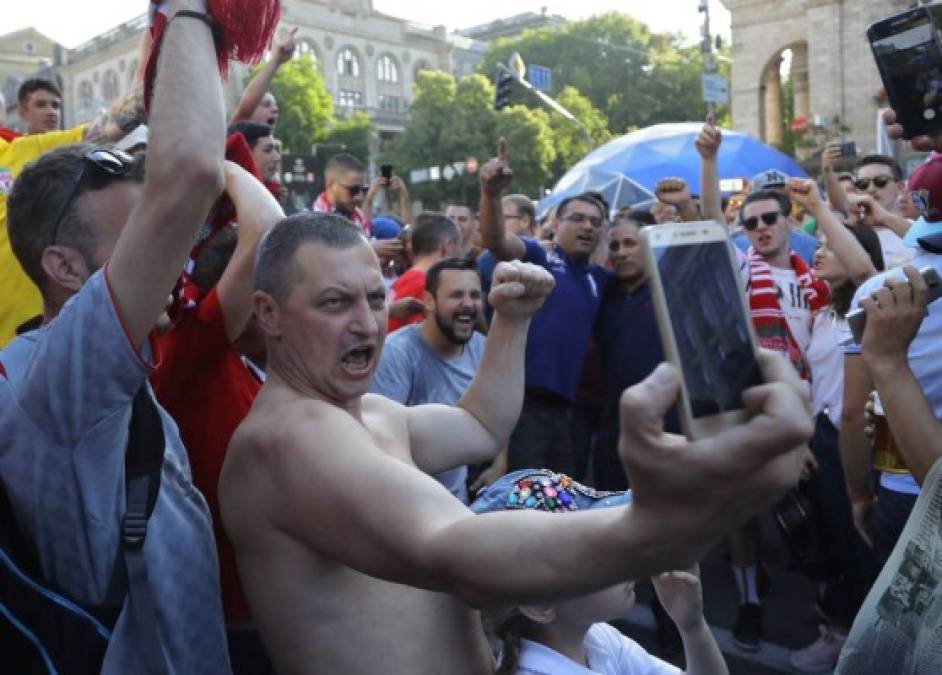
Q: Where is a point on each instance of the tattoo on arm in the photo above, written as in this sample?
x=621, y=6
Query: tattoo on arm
x=122, y=117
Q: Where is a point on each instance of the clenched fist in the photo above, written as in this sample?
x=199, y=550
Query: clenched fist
x=519, y=289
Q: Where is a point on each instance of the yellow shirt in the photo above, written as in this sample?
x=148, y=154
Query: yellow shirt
x=19, y=297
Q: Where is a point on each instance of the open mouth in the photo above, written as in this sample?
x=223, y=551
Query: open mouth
x=357, y=361
x=272, y=120
x=586, y=239
x=465, y=320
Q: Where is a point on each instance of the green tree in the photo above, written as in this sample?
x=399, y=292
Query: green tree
x=569, y=139
x=305, y=106
x=633, y=76
x=529, y=147
x=352, y=132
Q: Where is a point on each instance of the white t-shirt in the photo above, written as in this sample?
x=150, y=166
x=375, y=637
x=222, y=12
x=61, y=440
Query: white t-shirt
x=607, y=651
x=895, y=252
x=826, y=361
x=795, y=306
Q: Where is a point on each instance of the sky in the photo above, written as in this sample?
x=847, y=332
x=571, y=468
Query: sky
x=71, y=23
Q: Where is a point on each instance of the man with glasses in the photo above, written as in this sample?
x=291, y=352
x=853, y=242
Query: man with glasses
x=347, y=194
x=879, y=181
x=105, y=250
x=519, y=215
x=560, y=333
x=783, y=297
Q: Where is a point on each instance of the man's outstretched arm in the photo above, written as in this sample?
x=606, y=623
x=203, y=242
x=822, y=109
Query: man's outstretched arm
x=183, y=173
x=252, y=96
x=401, y=525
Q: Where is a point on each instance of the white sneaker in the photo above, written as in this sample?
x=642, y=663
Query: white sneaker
x=821, y=655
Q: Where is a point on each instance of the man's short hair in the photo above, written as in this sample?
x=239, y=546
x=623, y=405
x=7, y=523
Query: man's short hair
x=213, y=258
x=430, y=230
x=36, y=198
x=586, y=198
x=524, y=205
x=434, y=274
x=276, y=271
x=885, y=160
x=639, y=217
x=344, y=163
x=252, y=131
x=784, y=203
x=36, y=84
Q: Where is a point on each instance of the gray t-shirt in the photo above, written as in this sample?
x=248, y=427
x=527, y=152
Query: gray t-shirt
x=65, y=403
x=412, y=374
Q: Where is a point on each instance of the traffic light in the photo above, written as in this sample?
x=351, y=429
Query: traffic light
x=504, y=83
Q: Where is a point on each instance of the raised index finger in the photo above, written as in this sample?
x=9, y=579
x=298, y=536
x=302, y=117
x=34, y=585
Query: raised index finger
x=502, y=149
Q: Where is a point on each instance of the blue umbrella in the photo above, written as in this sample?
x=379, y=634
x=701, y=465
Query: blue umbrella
x=616, y=188
x=647, y=155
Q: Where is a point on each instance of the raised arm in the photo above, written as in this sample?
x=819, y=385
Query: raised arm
x=257, y=211
x=125, y=113
x=856, y=451
x=832, y=186
x=494, y=177
x=184, y=173
x=399, y=524
x=675, y=192
x=281, y=53
x=475, y=431
x=894, y=315
x=848, y=250
x=874, y=214
x=708, y=146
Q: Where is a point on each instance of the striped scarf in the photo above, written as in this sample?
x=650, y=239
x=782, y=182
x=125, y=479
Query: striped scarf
x=767, y=316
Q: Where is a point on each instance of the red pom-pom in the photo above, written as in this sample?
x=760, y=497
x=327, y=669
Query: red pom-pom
x=245, y=28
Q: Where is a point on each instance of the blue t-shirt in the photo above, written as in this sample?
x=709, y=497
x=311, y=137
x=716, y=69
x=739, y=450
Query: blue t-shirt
x=65, y=405
x=800, y=242
x=560, y=332
x=629, y=348
x=412, y=374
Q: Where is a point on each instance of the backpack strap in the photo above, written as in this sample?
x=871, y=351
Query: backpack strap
x=142, y=465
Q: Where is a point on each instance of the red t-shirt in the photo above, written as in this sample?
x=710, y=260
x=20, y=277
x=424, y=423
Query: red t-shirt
x=410, y=285
x=204, y=385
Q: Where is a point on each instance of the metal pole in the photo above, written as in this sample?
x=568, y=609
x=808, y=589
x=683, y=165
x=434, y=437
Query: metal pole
x=706, y=46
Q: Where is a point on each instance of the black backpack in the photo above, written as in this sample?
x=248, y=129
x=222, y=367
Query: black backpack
x=42, y=630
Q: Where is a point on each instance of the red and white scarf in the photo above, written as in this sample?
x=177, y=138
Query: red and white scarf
x=358, y=218
x=768, y=318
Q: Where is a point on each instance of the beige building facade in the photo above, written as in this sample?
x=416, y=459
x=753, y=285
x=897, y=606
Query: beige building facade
x=369, y=60
x=832, y=68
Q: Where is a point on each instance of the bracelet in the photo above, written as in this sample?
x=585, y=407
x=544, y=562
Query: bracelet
x=202, y=16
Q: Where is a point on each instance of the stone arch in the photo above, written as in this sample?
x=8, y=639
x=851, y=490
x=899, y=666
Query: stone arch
x=771, y=103
x=349, y=66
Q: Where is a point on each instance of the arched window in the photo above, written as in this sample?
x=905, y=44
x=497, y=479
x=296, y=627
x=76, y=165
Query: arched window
x=305, y=46
x=110, y=87
x=86, y=95
x=386, y=69
x=347, y=63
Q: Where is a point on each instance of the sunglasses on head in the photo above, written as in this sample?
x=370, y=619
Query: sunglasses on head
x=354, y=190
x=105, y=162
x=879, y=181
x=769, y=218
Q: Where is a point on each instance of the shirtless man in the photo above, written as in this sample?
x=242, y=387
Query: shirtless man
x=355, y=560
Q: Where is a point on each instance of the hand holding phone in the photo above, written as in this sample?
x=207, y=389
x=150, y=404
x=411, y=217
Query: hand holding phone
x=857, y=320
x=907, y=48
x=705, y=327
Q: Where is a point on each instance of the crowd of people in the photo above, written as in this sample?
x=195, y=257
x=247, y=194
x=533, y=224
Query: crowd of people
x=363, y=421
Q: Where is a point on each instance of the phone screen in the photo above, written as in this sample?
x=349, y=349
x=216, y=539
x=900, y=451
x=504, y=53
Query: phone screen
x=910, y=62
x=702, y=295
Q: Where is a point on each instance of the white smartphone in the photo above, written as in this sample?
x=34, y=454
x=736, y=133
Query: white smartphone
x=703, y=321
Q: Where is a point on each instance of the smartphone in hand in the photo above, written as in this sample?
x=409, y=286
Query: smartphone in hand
x=703, y=320
x=908, y=51
x=857, y=320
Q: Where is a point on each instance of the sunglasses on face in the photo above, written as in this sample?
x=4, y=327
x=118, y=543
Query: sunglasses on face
x=769, y=218
x=879, y=181
x=354, y=190
x=105, y=163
